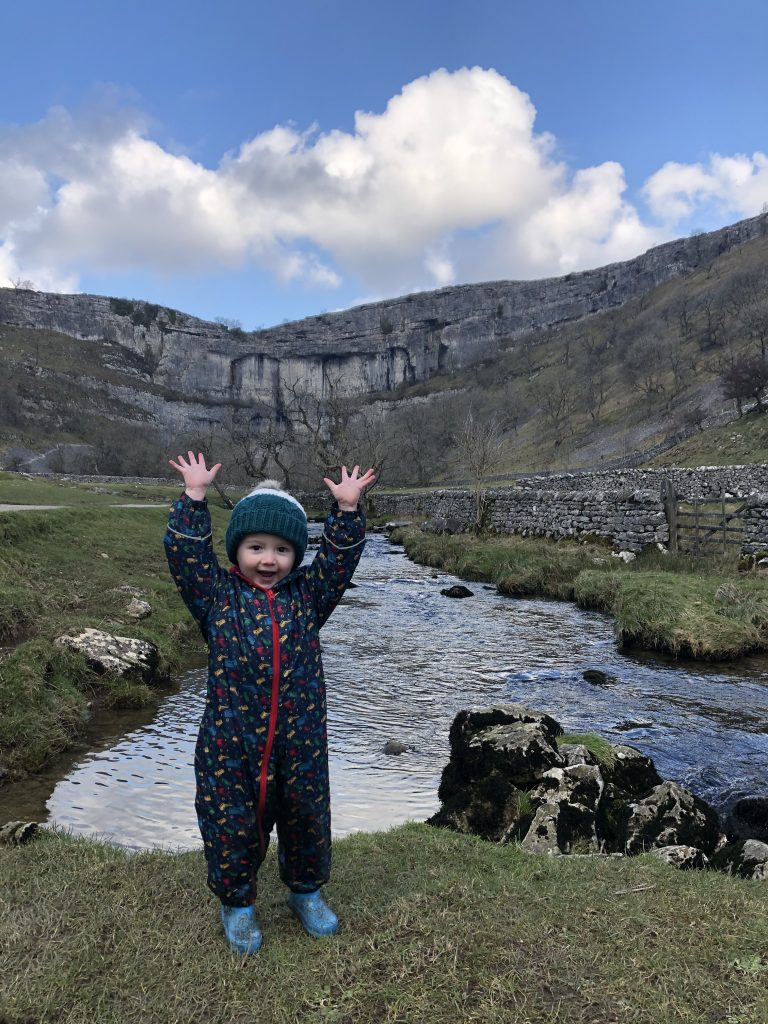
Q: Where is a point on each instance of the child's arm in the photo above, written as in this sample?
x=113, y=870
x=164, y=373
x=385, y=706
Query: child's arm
x=342, y=542
x=191, y=558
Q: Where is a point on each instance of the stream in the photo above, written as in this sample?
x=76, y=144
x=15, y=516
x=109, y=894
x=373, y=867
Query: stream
x=400, y=661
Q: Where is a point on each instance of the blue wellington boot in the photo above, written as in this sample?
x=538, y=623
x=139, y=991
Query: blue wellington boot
x=241, y=929
x=314, y=913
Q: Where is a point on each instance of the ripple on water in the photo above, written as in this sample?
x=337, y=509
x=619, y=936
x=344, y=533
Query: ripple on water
x=401, y=661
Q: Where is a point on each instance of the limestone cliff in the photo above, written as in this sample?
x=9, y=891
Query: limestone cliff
x=370, y=348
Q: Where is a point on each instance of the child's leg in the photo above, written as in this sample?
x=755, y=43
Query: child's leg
x=303, y=813
x=226, y=814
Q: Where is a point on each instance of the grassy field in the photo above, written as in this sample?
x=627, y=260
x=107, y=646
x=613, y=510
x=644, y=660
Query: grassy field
x=697, y=608
x=436, y=927
x=60, y=571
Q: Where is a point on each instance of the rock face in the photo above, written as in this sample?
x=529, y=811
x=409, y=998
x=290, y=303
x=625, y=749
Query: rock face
x=371, y=348
x=508, y=779
x=119, y=655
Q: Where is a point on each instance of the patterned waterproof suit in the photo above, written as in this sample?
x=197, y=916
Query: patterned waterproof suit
x=262, y=751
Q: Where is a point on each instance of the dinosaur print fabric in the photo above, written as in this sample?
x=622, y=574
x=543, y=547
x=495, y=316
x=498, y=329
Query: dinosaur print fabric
x=262, y=752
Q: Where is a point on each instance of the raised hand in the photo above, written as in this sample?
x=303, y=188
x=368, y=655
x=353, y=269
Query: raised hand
x=347, y=493
x=197, y=477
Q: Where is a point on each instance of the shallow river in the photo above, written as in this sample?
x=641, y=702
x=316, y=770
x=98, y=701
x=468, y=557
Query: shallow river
x=400, y=661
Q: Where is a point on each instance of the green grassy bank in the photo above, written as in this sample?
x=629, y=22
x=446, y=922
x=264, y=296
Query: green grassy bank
x=60, y=571
x=696, y=608
x=436, y=928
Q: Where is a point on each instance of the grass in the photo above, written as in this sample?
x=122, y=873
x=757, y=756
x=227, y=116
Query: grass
x=61, y=571
x=603, y=751
x=519, y=566
x=704, y=609
x=436, y=927
x=27, y=490
x=740, y=442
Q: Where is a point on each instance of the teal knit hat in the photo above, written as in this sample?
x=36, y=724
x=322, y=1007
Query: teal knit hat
x=268, y=509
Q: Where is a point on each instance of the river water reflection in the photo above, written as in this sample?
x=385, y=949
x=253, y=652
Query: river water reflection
x=400, y=661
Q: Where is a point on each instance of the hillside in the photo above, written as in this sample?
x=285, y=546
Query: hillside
x=587, y=370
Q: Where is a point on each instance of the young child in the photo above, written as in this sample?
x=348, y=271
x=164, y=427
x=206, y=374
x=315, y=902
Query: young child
x=262, y=751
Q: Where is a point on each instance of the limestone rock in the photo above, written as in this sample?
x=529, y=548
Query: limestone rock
x=632, y=772
x=138, y=609
x=575, y=753
x=16, y=833
x=574, y=784
x=671, y=816
x=683, y=857
x=625, y=556
x=747, y=858
x=120, y=655
x=543, y=835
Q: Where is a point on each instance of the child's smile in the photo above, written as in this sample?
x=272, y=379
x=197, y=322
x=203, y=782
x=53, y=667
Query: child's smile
x=264, y=558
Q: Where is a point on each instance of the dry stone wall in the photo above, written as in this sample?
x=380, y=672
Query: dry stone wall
x=756, y=525
x=697, y=482
x=629, y=519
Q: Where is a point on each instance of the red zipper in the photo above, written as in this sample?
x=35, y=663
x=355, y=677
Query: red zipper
x=272, y=722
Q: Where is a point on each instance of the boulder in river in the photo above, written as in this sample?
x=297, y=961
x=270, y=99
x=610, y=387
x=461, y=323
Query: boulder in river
x=508, y=779
x=394, y=747
x=596, y=677
x=119, y=655
x=457, y=591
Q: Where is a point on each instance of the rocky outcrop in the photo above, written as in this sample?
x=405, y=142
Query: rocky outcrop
x=371, y=348
x=509, y=779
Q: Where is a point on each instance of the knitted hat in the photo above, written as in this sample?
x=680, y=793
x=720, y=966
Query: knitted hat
x=268, y=509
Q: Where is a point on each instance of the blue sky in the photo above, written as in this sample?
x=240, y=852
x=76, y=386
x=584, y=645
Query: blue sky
x=264, y=162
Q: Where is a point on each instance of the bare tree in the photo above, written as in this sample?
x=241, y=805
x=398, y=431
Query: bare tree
x=645, y=360
x=479, y=447
x=334, y=430
x=556, y=399
x=595, y=387
x=746, y=378
x=748, y=304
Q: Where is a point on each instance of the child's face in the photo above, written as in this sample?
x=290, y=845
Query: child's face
x=264, y=558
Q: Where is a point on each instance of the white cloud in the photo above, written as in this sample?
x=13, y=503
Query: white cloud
x=451, y=182
x=733, y=186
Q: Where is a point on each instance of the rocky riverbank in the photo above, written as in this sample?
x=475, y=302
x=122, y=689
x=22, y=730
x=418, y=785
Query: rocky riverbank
x=513, y=776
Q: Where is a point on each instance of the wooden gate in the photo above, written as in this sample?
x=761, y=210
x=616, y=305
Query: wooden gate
x=709, y=525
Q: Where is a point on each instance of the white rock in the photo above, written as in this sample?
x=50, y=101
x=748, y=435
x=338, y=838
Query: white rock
x=137, y=609
x=625, y=556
